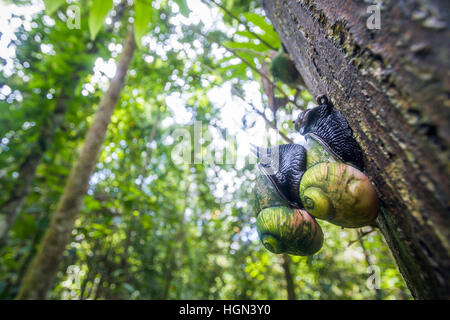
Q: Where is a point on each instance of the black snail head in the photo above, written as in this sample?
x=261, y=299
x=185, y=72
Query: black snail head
x=284, y=165
x=329, y=126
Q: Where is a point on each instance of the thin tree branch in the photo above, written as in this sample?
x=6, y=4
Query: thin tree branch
x=233, y=51
x=362, y=235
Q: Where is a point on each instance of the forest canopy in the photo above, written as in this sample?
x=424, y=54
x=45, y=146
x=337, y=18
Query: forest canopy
x=167, y=211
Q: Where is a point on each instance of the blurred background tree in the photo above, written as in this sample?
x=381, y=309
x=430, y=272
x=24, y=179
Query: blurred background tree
x=150, y=227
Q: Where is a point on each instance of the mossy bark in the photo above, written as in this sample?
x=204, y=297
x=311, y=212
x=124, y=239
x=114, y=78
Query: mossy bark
x=41, y=272
x=393, y=87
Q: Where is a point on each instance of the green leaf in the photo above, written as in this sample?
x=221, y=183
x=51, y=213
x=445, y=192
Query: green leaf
x=98, y=12
x=270, y=36
x=143, y=16
x=52, y=5
x=184, y=9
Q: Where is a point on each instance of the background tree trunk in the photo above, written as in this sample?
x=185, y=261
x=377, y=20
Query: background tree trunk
x=367, y=257
x=288, y=276
x=393, y=87
x=40, y=274
x=177, y=246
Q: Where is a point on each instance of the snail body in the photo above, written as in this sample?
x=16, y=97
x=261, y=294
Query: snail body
x=328, y=127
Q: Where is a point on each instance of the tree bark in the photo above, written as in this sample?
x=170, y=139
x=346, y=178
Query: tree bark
x=171, y=259
x=393, y=87
x=171, y=262
x=11, y=207
x=290, y=286
x=40, y=274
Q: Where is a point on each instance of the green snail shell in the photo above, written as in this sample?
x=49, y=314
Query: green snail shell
x=340, y=194
x=285, y=230
x=317, y=152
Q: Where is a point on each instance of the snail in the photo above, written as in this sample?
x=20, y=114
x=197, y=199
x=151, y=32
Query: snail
x=334, y=188
x=322, y=179
x=340, y=194
x=283, y=68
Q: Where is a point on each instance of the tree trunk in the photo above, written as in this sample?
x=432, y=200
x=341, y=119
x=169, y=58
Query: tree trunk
x=290, y=286
x=171, y=263
x=393, y=87
x=11, y=207
x=40, y=274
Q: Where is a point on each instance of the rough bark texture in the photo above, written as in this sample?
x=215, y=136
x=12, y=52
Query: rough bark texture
x=10, y=209
x=393, y=87
x=39, y=277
